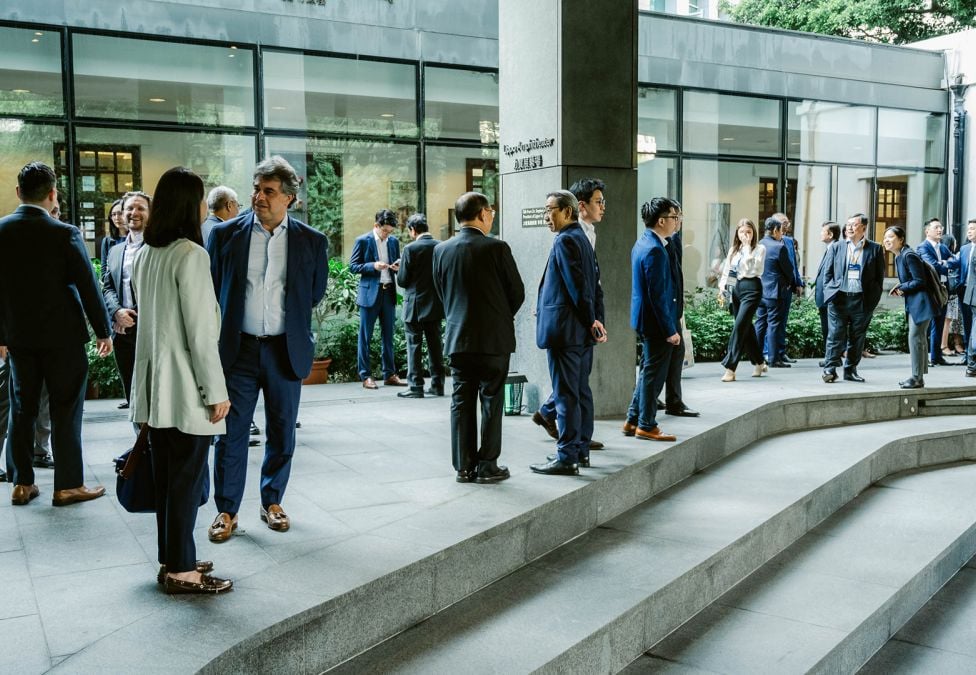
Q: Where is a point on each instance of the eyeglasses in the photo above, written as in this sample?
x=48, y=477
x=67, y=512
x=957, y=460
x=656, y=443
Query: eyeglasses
x=550, y=209
x=673, y=217
x=601, y=202
x=488, y=208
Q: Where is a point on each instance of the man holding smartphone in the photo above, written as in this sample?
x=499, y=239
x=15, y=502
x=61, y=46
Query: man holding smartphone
x=567, y=327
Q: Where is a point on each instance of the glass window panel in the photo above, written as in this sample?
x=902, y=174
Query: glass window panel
x=655, y=178
x=808, y=192
x=908, y=199
x=340, y=95
x=911, y=138
x=853, y=189
x=721, y=124
x=125, y=78
x=830, y=132
x=461, y=104
x=22, y=142
x=219, y=159
x=715, y=196
x=106, y=160
x=30, y=72
x=450, y=173
x=657, y=129
x=347, y=182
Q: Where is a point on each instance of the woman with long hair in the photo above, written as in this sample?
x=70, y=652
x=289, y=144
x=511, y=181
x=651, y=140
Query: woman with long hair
x=178, y=386
x=919, y=304
x=116, y=229
x=741, y=286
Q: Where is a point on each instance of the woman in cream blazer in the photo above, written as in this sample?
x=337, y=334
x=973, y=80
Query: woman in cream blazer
x=178, y=384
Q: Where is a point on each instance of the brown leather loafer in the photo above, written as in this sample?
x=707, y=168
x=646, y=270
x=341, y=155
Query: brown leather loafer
x=208, y=585
x=654, y=434
x=201, y=566
x=78, y=494
x=369, y=383
x=276, y=518
x=548, y=425
x=23, y=494
x=629, y=429
x=394, y=381
x=222, y=527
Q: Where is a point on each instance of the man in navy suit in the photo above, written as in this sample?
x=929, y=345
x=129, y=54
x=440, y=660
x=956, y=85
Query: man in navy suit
x=829, y=233
x=422, y=310
x=967, y=297
x=376, y=259
x=653, y=314
x=269, y=271
x=936, y=254
x=789, y=243
x=43, y=333
x=567, y=327
x=777, y=282
x=853, y=277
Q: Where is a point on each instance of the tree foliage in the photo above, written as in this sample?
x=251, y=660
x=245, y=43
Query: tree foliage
x=894, y=21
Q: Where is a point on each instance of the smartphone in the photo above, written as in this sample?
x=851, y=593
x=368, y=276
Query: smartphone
x=599, y=333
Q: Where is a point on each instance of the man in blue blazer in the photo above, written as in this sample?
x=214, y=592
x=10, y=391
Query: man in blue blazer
x=936, y=254
x=829, y=233
x=567, y=327
x=853, y=278
x=269, y=271
x=653, y=314
x=49, y=292
x=777, y=283
x=967, y=297
x=376, y=259
x=789, y=243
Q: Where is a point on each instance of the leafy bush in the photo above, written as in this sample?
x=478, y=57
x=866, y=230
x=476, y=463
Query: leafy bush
x=340, y=341
x=103, y=374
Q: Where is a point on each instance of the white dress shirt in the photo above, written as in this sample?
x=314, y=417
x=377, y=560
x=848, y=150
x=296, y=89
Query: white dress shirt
x=267, y=271
x=384, y=255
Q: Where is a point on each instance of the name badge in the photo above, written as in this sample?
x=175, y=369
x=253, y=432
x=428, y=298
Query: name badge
x=854, y=272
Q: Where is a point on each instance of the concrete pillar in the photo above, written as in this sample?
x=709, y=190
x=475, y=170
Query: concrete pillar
x=568, y=110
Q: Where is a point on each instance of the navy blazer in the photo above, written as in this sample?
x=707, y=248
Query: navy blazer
x=566, y=305
x=48, y=283
x=416, y=277
x=872, y=272
x=653, y=301
x=790, y=245
x=963, y=258
x=818, y=288
x=777, y=276
x=364, y=254
x=911, y=277
x=927, y=251
x=306, y=278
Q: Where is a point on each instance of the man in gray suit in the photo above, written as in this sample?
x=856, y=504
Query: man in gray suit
x=223, y=205
x=422, y=309
x=829, y=233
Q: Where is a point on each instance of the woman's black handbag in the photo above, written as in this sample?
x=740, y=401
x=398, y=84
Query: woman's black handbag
x=135, y=485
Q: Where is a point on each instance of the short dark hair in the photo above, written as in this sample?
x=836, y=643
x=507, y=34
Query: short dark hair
x=36, y=180
x=417, y=222
x=584, y=188
x=175, y=213
x=386, y=217
x=772, y=224
x=652, y=211
x=933, y=220
x=834, y=229
x=860, y=217
x=469, y=205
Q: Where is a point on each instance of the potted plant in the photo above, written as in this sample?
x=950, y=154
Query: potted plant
x=339, y=301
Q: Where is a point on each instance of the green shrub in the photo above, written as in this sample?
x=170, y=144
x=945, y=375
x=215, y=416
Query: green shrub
x=103, y=374
x=340, y=343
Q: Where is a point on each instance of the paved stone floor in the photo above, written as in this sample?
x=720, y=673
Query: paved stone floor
x=372, y=489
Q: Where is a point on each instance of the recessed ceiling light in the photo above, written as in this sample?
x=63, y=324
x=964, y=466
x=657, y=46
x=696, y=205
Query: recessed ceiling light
x=278, y=107
x=728, y=138
x=386, y=114
x=230, y=56
x=157, y=100
x=35, y=40
x=38, y=33
x=233, y=46
x=20, y=91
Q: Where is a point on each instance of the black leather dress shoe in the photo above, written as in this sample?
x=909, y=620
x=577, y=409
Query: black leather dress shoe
x=596, y=445
x=411, y=393
x=438, y=391
x=829, y=375
x=822, y=364
x=556, y=468
x=466, y=476
x=911, y=383
x=788, y=359
x=584, y=462
x=780, y=364
x=493, y=474
x=124, y=405
x=940, y=362
x=3, y=477
x=850, y=374
x=254, y=429
x=44, y=461
x=683, y=411
x=970, y=372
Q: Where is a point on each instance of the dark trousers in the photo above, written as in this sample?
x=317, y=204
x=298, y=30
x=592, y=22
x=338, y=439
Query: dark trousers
x=824, y=326
x=569, y=369
x=672, y=384
x=385, y=310
x=477, y=376
x=746, y=297
x=935, y=336
x=655, y=363
x=848, y=326
x=124, y=348
x=5, y=417
x=416, y=331
x=784, y=313
x=548, y=409
x=261, y=366
x=179, y=464
x=65, y=371
x=966, y=317
x=768, y=319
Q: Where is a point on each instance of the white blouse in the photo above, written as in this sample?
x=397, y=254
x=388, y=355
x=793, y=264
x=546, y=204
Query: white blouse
x=748, y=263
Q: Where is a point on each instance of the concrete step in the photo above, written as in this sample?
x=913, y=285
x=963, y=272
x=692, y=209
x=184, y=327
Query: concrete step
x=939, y=638
x=832, y=599
x=596, y=603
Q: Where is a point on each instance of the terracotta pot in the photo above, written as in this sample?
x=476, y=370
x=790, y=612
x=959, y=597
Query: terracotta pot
x=320, y=372
x=91, y=391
